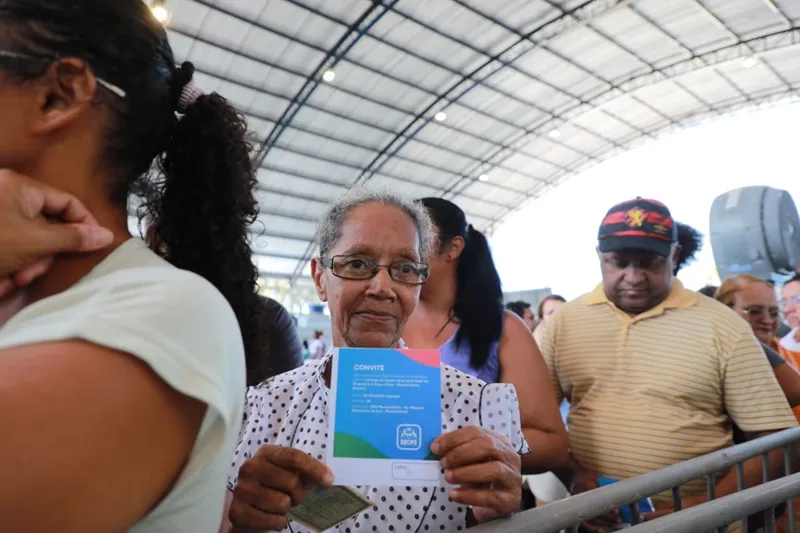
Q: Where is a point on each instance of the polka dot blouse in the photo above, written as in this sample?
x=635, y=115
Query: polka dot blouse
x=292, y=410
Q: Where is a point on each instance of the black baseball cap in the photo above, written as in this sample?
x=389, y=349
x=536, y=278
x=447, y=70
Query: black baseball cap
x=638, y=224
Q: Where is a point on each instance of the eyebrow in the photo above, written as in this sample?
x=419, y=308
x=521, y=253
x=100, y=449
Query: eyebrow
x=405, y=253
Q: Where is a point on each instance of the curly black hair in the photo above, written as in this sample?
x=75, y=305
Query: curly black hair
x=691, y=242
x=200, y=207
x=193, y=172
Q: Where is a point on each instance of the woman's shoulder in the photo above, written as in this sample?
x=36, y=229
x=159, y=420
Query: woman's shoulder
x=173, y=320
x=142, y=291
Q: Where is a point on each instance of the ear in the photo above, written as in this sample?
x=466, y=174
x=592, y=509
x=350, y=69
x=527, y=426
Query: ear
x=676, y=254
x=317, y=271
x=456, y=247
x=67, y=91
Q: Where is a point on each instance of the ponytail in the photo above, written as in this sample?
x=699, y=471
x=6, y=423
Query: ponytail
x=479, y=299
x=200, y=205
x=200, y=208
x=691, y=243
x=478, y=305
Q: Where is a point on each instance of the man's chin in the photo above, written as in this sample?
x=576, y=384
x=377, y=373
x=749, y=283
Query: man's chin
x=635, y=304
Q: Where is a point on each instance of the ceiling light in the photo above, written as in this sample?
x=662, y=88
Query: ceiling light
x=483, y=177
x=749, y=62
x=555, y=134
x=160, y=12
x=441, y=116
x=329, y=76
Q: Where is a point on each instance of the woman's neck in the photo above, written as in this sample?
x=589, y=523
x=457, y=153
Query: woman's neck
x=439, y=296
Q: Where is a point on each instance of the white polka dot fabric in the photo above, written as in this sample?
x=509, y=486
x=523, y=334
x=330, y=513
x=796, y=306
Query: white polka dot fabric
x=292, y=410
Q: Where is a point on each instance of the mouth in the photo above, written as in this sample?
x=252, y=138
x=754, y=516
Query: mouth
x=634, y=292
x=376, y=316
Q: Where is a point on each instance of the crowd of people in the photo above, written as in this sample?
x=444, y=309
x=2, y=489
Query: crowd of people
x=146, y=386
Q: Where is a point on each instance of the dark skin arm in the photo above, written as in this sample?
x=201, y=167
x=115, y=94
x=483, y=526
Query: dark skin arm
x=728, y=484
x=92, y=438
x=789, y=379
x=522, y=365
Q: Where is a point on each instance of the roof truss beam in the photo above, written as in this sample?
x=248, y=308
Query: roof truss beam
x=711, y=59
x=354, y=94
x=604, y=154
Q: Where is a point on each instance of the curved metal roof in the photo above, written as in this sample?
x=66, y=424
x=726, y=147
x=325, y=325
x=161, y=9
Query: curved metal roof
x=487, y=103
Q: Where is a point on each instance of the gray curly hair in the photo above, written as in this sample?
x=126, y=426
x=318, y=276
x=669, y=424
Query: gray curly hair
x=330, y=225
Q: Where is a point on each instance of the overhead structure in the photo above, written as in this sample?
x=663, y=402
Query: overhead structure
x=487, y=103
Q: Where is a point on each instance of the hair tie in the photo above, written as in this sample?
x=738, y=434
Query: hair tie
x=185, y=89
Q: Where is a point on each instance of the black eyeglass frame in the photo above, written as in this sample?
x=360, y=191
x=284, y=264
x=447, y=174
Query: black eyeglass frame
x=424, y=270
x=8, y=54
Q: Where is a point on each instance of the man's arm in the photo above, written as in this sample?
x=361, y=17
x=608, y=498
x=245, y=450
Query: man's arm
x=752, y=469
x=756, y=403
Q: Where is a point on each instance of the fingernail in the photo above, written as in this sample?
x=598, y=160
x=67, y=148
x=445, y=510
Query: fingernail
x=435, y=448
x=328, y=479
x=100, y=236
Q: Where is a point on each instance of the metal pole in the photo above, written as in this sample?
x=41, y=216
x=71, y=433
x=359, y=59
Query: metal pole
x=740, y=488
x=788, y=468
x=582, y=507
x=719, y=512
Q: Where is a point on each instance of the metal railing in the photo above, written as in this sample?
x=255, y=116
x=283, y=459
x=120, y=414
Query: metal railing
x=713, y=515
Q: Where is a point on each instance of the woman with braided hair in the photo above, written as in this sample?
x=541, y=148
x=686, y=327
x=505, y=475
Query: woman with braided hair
x=122, y=371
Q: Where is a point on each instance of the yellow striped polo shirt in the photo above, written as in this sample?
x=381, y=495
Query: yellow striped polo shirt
x=659, y=388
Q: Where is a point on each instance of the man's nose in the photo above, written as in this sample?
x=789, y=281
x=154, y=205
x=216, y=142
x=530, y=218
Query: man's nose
x=635, y=275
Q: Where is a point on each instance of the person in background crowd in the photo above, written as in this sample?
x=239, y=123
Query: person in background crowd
x=306, y=351
x=524, y=311
x=122, y=373
x=709, y=291
x=546, y=308
x=317, y=345
x=690, y=242
x=284, y=349
x=754, y=300
x=790, y=307
x=635, y=410
x=790, y=303
x=373, y=245
x=461, y=313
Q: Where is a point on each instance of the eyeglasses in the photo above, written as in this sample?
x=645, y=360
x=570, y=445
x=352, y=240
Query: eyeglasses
x=786, y=301
x=758, y=311
x=355, y=267
x=6, y=54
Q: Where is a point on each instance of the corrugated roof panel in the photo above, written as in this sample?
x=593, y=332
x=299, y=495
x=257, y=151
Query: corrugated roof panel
x=595, y=78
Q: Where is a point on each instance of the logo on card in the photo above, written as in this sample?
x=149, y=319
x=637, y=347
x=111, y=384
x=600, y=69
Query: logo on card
x=409, y=437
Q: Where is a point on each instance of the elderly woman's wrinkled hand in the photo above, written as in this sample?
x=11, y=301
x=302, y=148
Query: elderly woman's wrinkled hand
x=487, y=468
x=36, y=223
x=272, y=482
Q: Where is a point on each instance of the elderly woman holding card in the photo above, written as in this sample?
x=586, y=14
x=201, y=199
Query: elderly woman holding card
x=371, y=266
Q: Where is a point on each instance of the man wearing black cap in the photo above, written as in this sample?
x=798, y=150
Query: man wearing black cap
x=655, y=372
x=639, y=234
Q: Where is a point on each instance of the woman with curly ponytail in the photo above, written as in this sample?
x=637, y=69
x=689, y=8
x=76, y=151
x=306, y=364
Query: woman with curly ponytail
x=122, y=372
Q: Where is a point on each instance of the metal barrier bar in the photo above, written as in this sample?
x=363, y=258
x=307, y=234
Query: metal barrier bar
x=740, y=488
x=726, y=510
x=567, y=514
x=788, y=467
